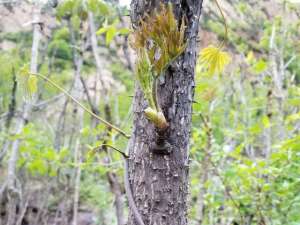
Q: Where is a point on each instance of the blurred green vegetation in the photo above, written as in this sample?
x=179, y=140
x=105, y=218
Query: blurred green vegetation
x=245, y=141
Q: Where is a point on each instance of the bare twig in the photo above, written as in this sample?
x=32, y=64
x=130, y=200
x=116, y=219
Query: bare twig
x=128, y=190
x=225, y=24
x=81, y=105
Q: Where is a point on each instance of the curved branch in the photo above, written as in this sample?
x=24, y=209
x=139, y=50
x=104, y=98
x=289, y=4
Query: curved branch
x=81, y=105
x=225, y=24
x=130, y=198
x=128, y=190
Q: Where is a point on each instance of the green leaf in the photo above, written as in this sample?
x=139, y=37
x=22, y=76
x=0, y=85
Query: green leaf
x=110, y=34
x=266, y=122
x=144, y=76
x=50, y=155
x=259, y=66
x=102, y=30
x=98, y=6
x=250, y=57
x=37, y=166
x=103, y=8
x=293, y=117
x=124, y=31
x=27, y=83
x=32, y=84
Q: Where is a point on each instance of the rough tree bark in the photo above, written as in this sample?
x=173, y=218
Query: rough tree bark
x=160, y=182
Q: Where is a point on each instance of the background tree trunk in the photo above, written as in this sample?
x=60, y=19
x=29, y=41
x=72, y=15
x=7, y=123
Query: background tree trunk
x=14, y=192
x=160, y=182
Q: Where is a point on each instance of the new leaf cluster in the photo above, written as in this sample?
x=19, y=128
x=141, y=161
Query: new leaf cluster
x=158, y=41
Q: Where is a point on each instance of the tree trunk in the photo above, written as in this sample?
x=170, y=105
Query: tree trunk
x=14, y=195
x=160, y=182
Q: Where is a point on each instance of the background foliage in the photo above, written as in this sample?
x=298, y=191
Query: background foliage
x=245, y=140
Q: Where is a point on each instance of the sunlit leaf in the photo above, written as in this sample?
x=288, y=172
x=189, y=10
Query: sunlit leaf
x=27, y=83
x=293, y=117
x=259, y=66
x=32, y=84
x=98, y=6
x=250, y=57
x=110, y=34
x=266, y=122
x=111, y=31
x=124, y=31
x=103, y=8
x=214, y=59
x=102, y=30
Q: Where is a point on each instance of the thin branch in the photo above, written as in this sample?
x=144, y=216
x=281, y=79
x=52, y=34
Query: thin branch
x=128, y=190
x=113, y=148
x=81, y=105
x=289, y=62
x=94, y=109
x=208, y=131
x=225, y=24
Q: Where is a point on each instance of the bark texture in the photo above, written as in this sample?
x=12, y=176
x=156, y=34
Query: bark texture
x=160, y=182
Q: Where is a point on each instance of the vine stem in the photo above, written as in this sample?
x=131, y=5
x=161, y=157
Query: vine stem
x=112, y=147
x=208, y=131
x=127, y=185
x=81, y=105
x=225, y=25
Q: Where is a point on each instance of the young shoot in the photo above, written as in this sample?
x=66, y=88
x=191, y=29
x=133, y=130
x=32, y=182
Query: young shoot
x=158, y=41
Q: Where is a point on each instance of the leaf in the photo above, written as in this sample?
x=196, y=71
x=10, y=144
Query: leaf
x=32, y=84
x=102, y=30
x=266, y=122
x=110, y=30
x=98, y=6
x=143, y=71
x=259, y=66
x=27, y=83
x=110, y=34
x=293, y=117
x=166, y=36
x=103, y=8
x=214, y=59
x=250, y=57
x=37, y=167
x=124, y=31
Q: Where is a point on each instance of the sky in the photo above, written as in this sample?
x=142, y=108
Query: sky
x=124, y=2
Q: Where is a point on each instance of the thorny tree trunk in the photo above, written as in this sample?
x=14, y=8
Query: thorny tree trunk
x=160, y=182
x=13, y=193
